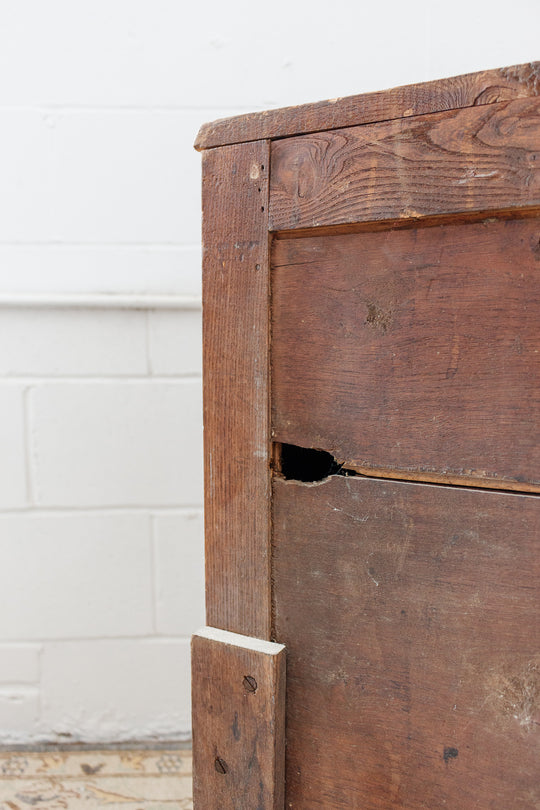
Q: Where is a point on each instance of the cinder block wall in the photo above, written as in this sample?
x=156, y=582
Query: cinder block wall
x=101, y=577
x=101, y=581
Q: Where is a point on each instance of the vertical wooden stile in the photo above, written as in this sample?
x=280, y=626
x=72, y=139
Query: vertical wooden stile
x=236, y=398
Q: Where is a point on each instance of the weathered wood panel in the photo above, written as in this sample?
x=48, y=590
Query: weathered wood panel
x=238, y=740
x=469, y=90
x=410, y=610
x=412, y=353
x=410, y=616
x=235, y=385
x=478, y=159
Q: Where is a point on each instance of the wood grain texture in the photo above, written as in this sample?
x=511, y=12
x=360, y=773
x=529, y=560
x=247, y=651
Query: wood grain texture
x=239, y=736
x=410, y=615
x=235, y=387
x=414, y=353
x=477, y=159
x=469, y=90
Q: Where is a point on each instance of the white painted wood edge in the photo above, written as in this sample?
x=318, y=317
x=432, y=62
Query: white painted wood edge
x=101, y=301
x=237, y=640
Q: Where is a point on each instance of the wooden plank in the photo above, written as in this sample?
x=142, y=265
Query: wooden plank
x=410, y=616
x=478, y=159
x=235, y=386
x=416, y=352
x=469, y=90
x=239, y=737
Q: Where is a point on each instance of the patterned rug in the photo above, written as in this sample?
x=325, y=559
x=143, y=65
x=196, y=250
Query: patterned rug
x=131, y=780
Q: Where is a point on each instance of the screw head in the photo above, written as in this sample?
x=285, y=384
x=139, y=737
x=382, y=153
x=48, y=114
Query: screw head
x=220, y=765
x=250, y=684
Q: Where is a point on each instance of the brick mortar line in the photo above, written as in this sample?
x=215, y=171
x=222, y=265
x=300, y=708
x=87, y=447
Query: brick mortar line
x=155, y=638
x=67, y=243
x=177, y=379
x=43, y=511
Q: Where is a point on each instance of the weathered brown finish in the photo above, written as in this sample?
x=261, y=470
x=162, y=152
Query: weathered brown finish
x=236, y=411
x=470, y=90
x=475, y=159
x=416, y=353
x=406, y=248
x=410, y=616
x=238, y=740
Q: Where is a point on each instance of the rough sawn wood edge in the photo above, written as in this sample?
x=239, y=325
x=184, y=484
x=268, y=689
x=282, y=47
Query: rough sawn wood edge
x=468, y=90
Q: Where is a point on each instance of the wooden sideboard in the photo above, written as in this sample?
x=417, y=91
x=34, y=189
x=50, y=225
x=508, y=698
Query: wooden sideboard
x=371, y=306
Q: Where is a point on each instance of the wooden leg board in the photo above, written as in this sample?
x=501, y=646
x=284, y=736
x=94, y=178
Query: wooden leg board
x=410, y=616
x=238, y=741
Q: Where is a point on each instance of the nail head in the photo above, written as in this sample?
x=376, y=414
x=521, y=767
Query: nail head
x=250, y=684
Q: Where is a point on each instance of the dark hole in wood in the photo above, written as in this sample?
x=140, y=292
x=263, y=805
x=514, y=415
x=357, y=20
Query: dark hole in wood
x=306, y=464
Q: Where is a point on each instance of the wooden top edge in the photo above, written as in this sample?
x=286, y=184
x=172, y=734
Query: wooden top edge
x=237, y=640
x=468, y=90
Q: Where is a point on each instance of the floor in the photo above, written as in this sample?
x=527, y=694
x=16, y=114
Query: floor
x=73, y=780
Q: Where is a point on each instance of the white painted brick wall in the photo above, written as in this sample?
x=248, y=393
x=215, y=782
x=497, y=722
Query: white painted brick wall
x=175, y=343
x=101, y=581
x=133, y=446
x=102, y=575
x=85, y=576
x=20, y=663
x=13, y=437
x=179, y=572
x=123, y=689
x=75, y=342
x=100, y=268
x=20, y=712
